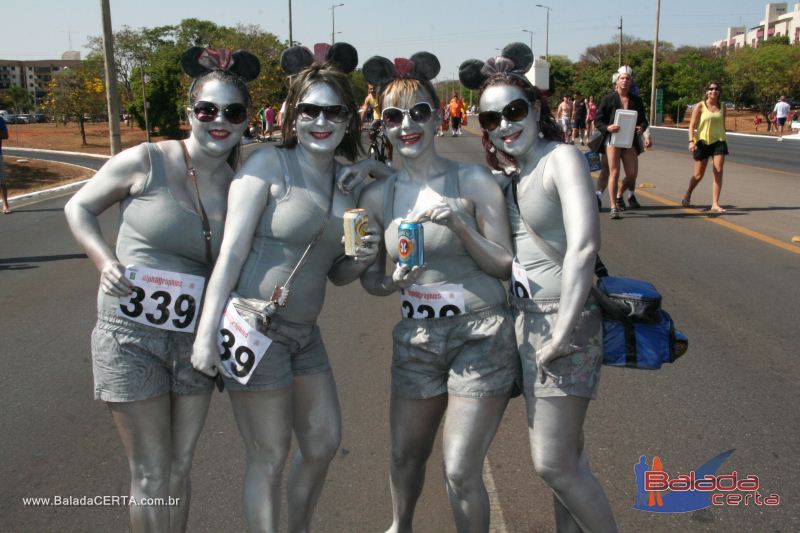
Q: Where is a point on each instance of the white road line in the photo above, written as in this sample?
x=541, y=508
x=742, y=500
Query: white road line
x=497, y=520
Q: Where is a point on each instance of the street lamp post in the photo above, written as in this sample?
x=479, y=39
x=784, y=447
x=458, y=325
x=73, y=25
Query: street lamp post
x=547, y=32
x=655, y=62
x=333, y=22
x=529, y=31
x=291, y=43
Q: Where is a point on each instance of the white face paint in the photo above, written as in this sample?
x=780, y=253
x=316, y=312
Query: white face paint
x=513, y=138
x=411, y=139
x=320, y=135
x=623, y=83
x=218, y=137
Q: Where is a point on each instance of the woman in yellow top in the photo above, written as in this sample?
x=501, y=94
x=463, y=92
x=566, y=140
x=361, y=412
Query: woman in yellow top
x=709, y=141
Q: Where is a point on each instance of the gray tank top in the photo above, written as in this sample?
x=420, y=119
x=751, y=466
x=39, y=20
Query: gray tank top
x=542, y=211
x=447, y=259
x=283, y=232
x=156, y=231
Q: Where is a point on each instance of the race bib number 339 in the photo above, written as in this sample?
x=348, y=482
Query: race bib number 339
x=432, y=301
x=162, y=299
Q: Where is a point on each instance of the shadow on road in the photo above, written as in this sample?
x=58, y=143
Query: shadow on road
x=41, y=258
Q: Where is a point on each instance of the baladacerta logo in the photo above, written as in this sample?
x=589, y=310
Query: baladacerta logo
x=659, y=492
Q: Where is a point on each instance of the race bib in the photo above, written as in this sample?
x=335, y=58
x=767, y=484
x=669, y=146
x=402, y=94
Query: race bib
x=242, y=345
x=162, y=299
x=518, y=285
x=432, y=301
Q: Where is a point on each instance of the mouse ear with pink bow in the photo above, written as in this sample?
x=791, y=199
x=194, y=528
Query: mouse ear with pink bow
x=422, y=66
x=516, y=58
x=197, y=61
x=342, y=56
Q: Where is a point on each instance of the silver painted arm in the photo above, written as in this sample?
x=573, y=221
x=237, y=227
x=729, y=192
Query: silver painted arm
x=247, y=198
x=568, y=173
x=490, y=245
x=116, y=179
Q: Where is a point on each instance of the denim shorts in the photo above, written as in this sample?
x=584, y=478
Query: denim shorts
x=577, y=374
x=134, y=362
x=472, y=355
x=2, y=171
x=296, y=349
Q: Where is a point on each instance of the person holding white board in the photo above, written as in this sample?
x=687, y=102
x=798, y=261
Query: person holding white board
x=616, y=134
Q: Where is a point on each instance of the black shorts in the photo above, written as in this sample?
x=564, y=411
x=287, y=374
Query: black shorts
x=579, y=123
x=704, y=151
x=455, y=122
x=781, y=120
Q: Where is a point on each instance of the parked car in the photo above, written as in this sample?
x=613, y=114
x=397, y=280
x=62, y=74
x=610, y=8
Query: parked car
x=10, y=118
x=794, y=103
x=40, y=117
x=24, y=118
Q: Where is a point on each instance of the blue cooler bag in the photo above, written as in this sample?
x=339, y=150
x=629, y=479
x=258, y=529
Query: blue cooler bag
x=594, y=161
x=637, y=333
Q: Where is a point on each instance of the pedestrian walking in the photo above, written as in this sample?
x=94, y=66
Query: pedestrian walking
x=172, y=198
x=456, y=114
x=3, y=186
x=779, y=115
x=621, y=98
x=708, y=142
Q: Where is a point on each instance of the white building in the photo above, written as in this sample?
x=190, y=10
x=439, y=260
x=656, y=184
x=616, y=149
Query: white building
x=777, y=21
x=34, y=76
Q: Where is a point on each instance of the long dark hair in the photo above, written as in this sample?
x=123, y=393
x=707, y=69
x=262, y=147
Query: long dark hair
x=350, y=147
x=548, y=128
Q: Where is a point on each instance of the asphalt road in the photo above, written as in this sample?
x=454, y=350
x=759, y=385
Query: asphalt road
x=761, y=151
x=730, y=283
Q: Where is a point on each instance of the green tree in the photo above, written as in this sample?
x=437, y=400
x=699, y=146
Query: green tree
x=77, y=93
x=686, y=77
x=767, y=72
x=21, y=99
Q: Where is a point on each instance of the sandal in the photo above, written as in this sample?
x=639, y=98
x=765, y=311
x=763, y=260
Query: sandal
x=6, y=211
x=685, y=202
x=718, y=210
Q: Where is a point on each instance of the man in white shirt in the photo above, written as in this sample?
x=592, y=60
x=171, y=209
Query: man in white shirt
x=781, y=112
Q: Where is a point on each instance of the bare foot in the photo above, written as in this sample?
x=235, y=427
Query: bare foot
x=717, y=209
x=685, y=202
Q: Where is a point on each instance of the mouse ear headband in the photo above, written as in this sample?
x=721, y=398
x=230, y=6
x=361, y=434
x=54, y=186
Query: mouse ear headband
x=342, y=56
x=516, y=59
x=422, y=66
x=197, y=61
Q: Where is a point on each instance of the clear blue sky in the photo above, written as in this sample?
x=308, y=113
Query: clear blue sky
x=41, y=29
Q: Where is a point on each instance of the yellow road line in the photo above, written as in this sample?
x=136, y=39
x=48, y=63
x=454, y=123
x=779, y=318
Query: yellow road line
x=715, y=219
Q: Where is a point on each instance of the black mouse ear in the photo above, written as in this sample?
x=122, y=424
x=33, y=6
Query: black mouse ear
x=245, y=65
x=190, y=62
x=426, y=66
x=520, y=54
x=378, y=70
x=344, y=56
x=295, y=59
x=470, y=73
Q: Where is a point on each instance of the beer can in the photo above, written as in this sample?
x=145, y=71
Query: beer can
x=410, y=243
x=355, y=227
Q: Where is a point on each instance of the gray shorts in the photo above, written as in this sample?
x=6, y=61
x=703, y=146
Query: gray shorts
x=296, y=349
x=577, y=374
x=134, y=362
x=472, y=355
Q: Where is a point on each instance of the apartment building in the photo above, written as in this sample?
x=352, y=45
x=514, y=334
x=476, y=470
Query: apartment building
x=778, y=20
x=34, y=76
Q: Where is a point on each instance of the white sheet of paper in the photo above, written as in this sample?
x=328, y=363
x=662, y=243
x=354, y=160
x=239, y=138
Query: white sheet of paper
x=626, y=119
